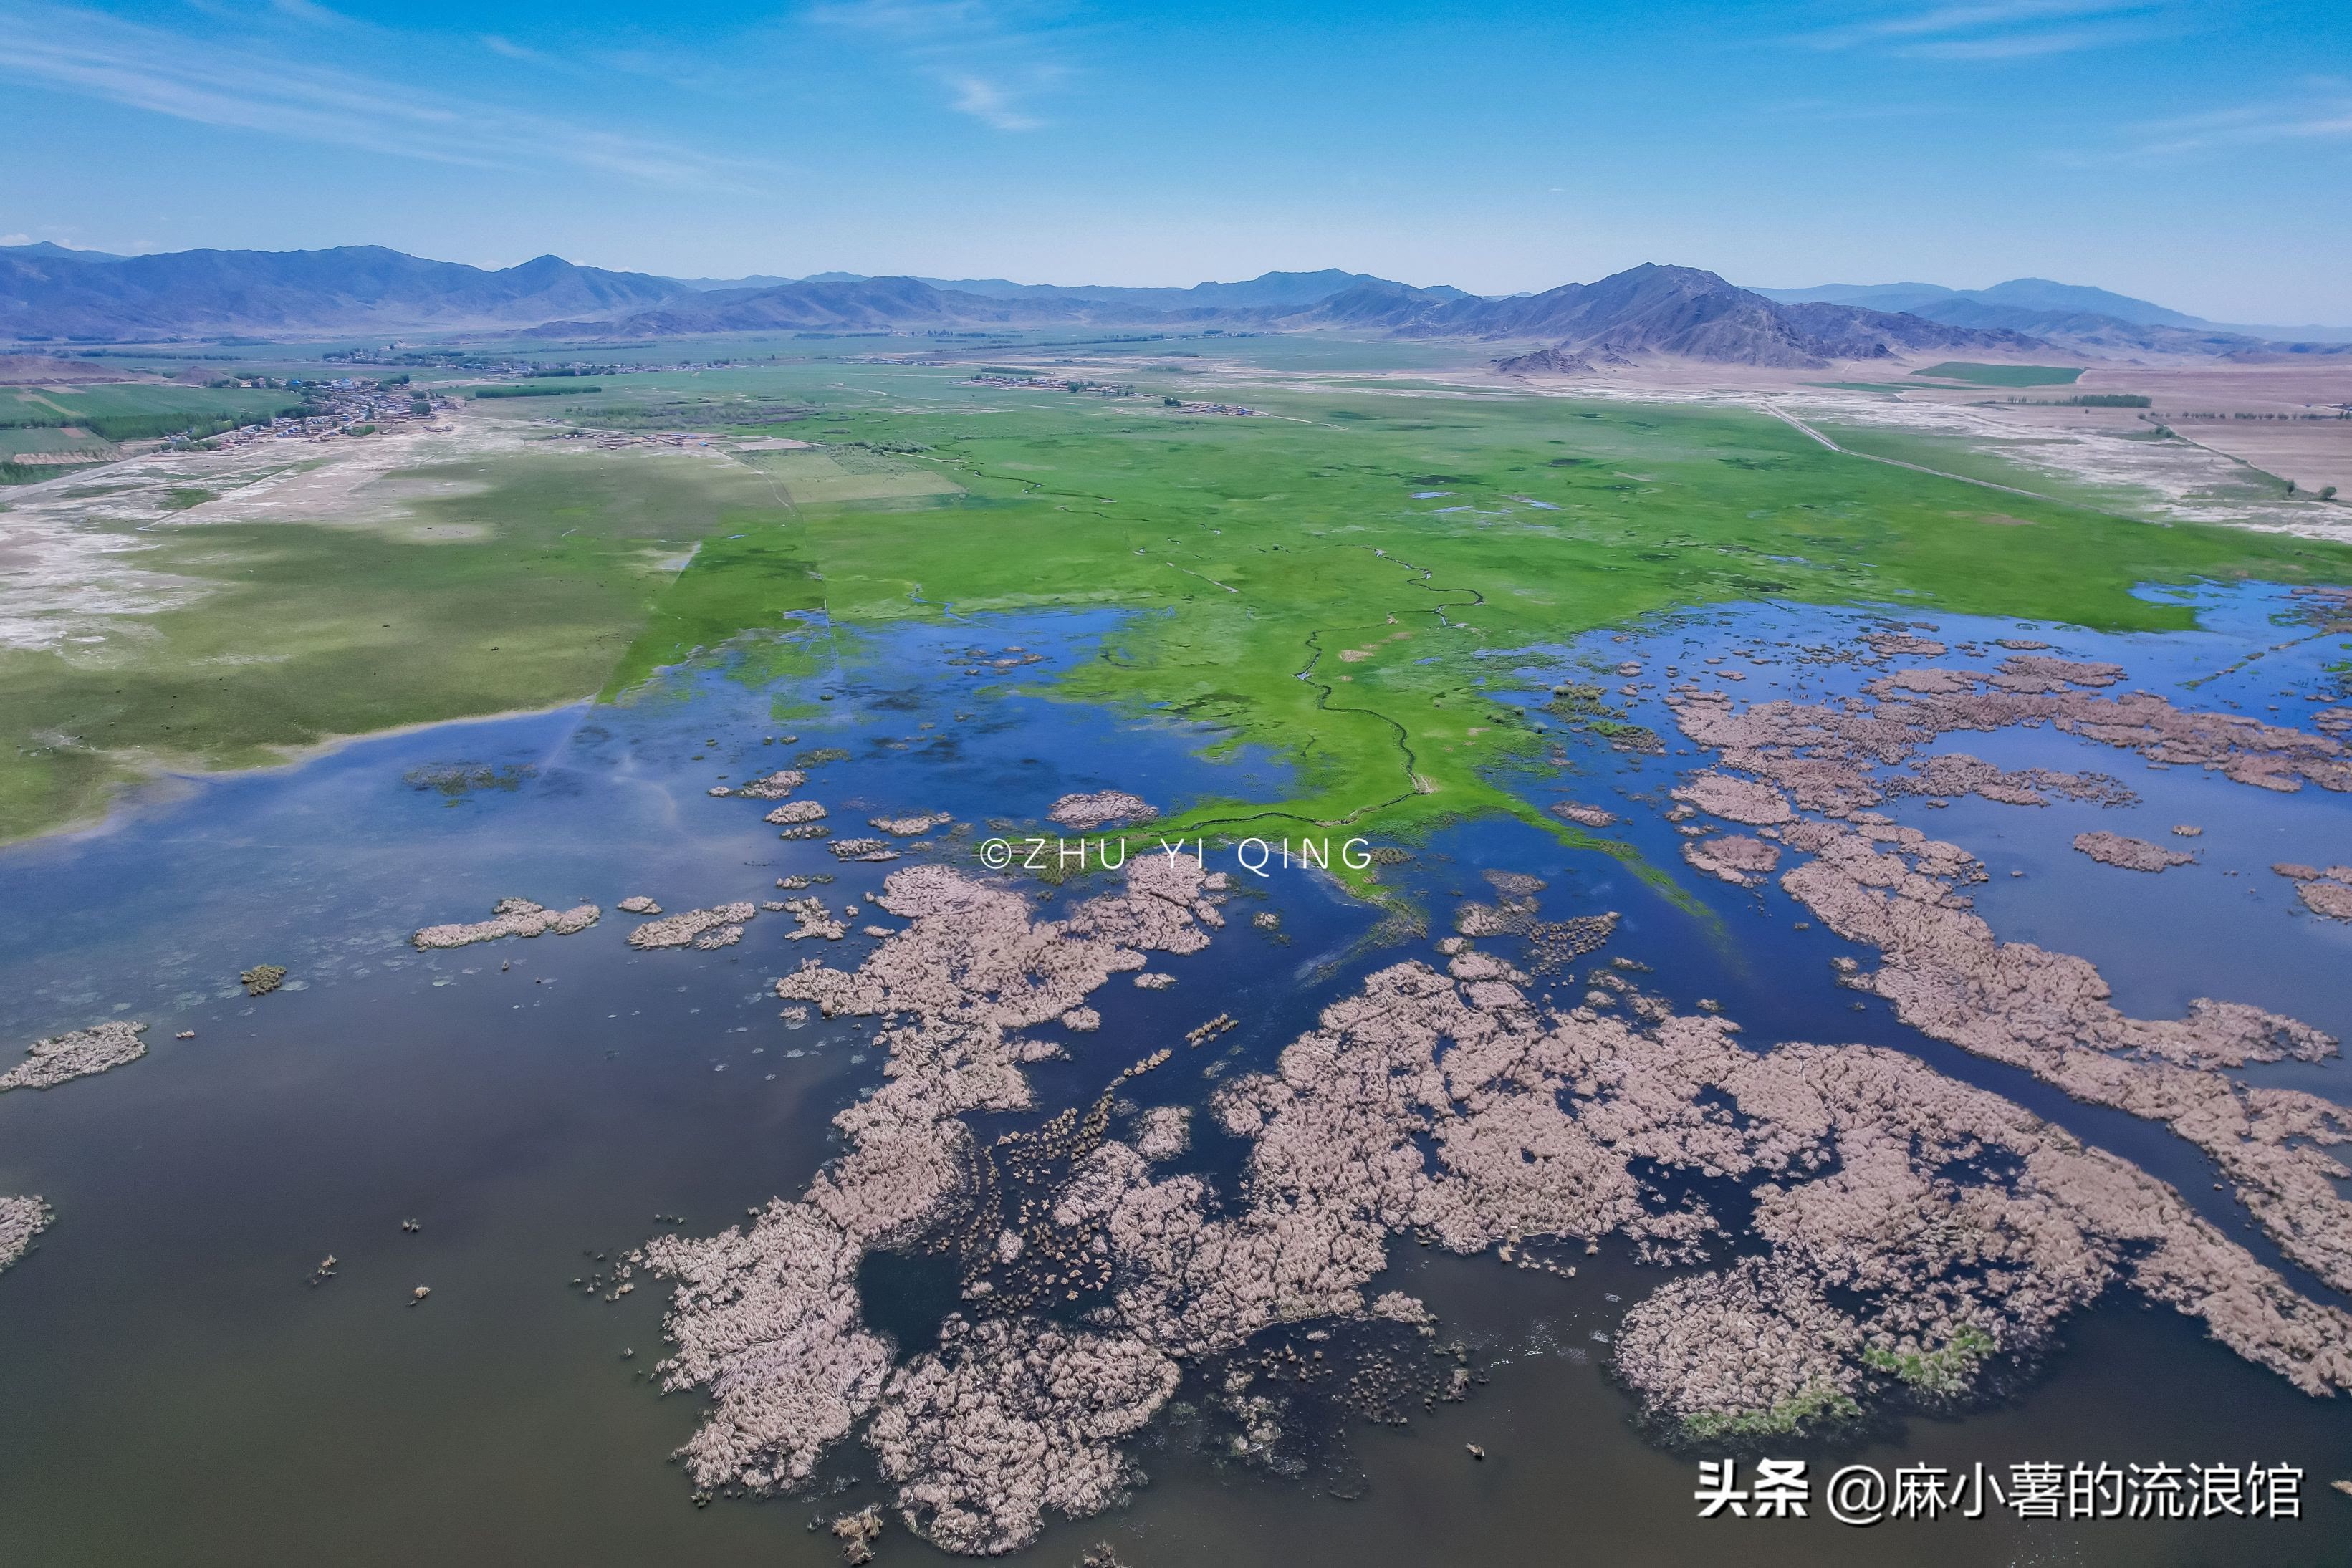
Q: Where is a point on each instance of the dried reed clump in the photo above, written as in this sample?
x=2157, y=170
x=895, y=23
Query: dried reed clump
x=1100, y=810
x=2331, y=898
x=813, y=918
x=911, y=826
x=1897, y=891
x=766, y=1316
x=1734, y=800
x=721, y=926
x=97, y=1049
x=21, y=1220
x=776, y=785
x=2327, y=893
x=1947, y=975
x=1825, y=755
x=2131, y=854
x=1163, y=1132
x=1008, y=1418
x=510, y=917
x=1735, y=858
x=1902, y=1235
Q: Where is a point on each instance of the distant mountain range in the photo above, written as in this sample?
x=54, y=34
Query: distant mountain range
x=49, y=293
x=1683, y=311
x=1268, y=290
x=1649, y=309
x=2095, y=317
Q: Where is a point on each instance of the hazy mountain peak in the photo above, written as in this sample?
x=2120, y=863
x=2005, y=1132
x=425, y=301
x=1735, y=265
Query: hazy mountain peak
x=44, y=250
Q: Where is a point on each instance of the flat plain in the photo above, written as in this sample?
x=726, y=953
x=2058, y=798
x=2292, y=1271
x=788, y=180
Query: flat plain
x=1329, y=576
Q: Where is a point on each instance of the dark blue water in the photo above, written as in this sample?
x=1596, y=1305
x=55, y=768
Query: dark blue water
x=173, y=1391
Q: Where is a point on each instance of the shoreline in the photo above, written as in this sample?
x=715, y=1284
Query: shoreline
x=124, y=798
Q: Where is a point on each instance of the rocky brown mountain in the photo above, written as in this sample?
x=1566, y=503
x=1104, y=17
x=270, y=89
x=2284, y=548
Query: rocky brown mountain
x=1694, y=314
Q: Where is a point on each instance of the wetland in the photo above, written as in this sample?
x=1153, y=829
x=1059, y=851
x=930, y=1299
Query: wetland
x=1843, y=967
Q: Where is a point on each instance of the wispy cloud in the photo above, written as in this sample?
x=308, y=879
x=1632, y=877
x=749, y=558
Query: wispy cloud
x=908, y=19
x=988, y=103
x=1830, y=112
x=304, y=11
x=2315, y=111
x=2002, y=30
x=994, y=58
x=247, y=87
x=2321, y=112
x=2034, y=44
x=507, y=49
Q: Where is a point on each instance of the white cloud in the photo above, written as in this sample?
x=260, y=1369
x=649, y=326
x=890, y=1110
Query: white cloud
x=245, y=88
x=304, y=11
x=507, y=49
x=2323, y=116
x=916, y=19
x=994, y=58
x=2003, y=29
x=987, y=102
x=2031, y=45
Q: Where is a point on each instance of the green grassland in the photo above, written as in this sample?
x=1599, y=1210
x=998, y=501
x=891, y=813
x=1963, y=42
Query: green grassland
x=131, y=412
x=20, y=406
x=539, y=388
x=1890, y=386
x=16, y=441
x=304, y=631
x=1253, y=552
x=1257, y=550
x=2003, y=375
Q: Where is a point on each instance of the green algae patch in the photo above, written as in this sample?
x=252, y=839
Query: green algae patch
x=1821, y=1405
x=1947, y=1372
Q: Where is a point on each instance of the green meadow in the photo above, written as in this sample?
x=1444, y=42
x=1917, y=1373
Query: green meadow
x=56, y=419
x=1290, y=589
x=2002, y=375
x=81, y=405
x=1347, y=578
x=523, y=591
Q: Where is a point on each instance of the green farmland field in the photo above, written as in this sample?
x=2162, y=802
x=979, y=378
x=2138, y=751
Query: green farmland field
x=21, y=406
x=2003, y=375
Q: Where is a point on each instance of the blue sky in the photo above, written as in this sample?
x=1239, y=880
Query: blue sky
x=2195, y=153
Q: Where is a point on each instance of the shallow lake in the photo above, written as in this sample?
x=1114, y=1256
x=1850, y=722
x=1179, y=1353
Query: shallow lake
x=175, y=1389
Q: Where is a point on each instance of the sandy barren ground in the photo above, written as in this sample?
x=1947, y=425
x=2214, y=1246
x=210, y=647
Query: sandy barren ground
x=2313, y=453
x=71, y=548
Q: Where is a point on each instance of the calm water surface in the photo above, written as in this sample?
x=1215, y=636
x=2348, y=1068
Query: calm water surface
x=173, y=1391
